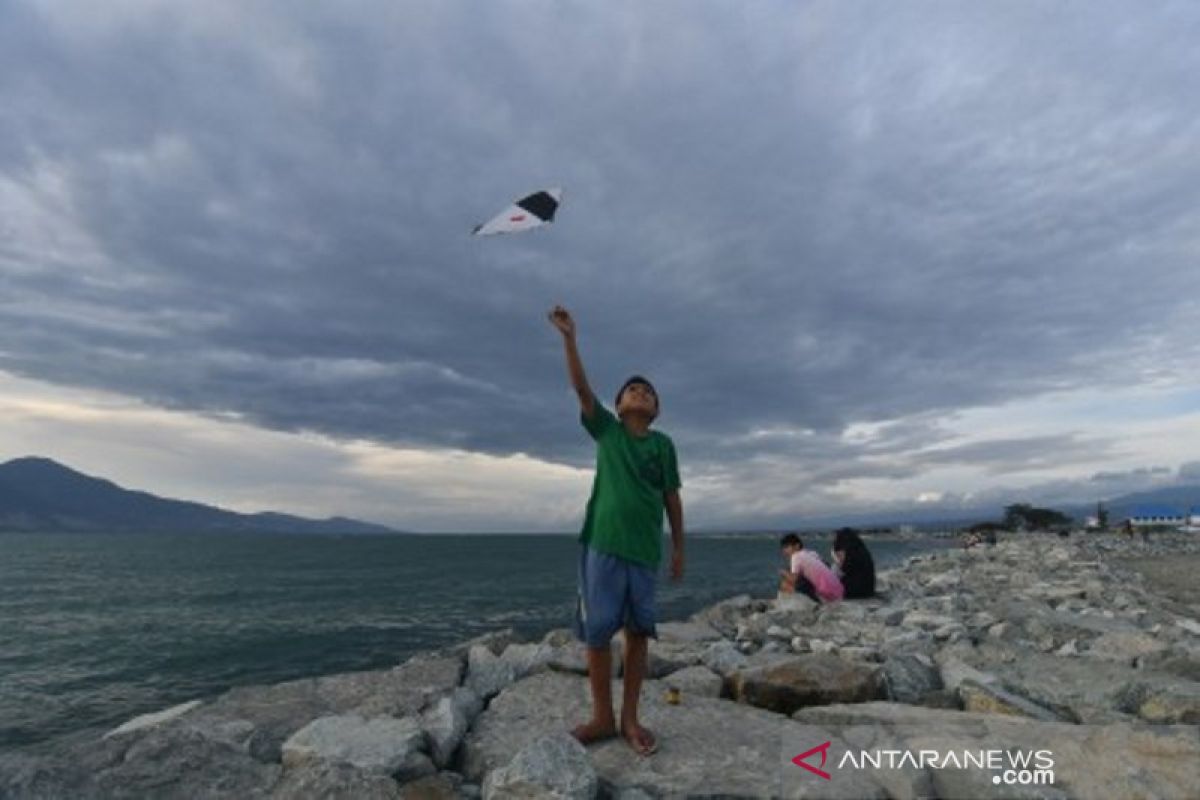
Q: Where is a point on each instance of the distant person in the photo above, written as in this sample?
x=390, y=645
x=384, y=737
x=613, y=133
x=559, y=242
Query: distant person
x=855, y=567
x=637, y=478
x=807, y=573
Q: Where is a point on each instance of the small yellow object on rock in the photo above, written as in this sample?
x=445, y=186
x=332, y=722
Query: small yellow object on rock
x=673, y=695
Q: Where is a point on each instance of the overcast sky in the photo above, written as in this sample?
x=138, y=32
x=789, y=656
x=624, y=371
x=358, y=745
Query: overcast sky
x=874, y=255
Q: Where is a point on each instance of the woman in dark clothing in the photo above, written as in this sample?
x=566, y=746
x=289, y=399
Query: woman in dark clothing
x=855, y=565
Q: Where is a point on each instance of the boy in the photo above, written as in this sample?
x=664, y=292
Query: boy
x=807, y=573
x=637, y=478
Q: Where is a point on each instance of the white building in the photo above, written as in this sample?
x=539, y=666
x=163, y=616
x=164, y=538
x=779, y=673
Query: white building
x=1154, y=516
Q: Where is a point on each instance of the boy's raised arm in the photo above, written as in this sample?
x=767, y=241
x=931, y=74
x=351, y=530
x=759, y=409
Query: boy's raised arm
x=561, y=319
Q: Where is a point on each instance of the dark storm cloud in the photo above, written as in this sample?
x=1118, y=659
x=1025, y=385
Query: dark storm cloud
x=793, y=219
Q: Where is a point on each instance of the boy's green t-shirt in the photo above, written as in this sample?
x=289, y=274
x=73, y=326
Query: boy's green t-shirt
x=625, y=513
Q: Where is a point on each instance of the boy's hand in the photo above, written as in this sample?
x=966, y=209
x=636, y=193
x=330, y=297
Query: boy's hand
x=676, y=563
x=561, y=319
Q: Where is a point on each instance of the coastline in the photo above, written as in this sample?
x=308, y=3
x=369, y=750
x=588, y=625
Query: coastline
x=1092, y=639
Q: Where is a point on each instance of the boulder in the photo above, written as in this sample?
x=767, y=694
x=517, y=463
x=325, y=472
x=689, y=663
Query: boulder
x=697, y=680
x=487, y=673
x=443, y=786
x=665, y=656
x=807, y=680
x=1172, y=705
x=277, y=711
x=991, y=699
x=707, y=747
x=1110, y=760
x=724, y=658
x=954, y=670
x=551, y=767
x=911, y=678
x=571, y=656
x=724, y=617
x=183, y=761
x=528, y=658
x=334, y=781
x=447, y=720
x=495, y=641
x=383, y=745
x=693, y=631
x=1086, y=690
x=801, y=606
x=927, y=621
x=1127, y=647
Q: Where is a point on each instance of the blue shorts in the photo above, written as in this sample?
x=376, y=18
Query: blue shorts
x=613, y=594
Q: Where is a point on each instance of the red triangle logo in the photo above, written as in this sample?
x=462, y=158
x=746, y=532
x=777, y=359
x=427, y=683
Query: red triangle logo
x=823, y=749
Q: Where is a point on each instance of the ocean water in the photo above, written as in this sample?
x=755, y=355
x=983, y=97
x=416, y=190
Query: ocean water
x=95, y=629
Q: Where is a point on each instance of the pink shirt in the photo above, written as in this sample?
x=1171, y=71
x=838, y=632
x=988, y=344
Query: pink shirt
x=827, y=585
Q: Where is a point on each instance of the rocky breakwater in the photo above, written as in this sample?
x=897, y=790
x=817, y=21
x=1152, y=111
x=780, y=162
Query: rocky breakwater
x=1031, y=645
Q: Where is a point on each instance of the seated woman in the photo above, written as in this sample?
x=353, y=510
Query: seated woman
x=856, y=568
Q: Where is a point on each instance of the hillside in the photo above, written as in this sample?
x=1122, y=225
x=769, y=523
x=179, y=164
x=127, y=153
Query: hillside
x=38, y=494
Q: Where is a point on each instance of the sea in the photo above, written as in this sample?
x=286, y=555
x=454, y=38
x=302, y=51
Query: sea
x=98, y=628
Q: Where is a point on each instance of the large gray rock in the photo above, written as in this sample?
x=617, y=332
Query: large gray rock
x=552, y=767
x=1127, y=647
x=185, y=761
x=955, y=669
x=29, y=777
x=912, y=678
x=443, y=786
x=279, y=710
x=666, y=656
x=725, y=616
x=334, y=781
x=570, y=655
x=528, y=658
x=707, y=747
x=383, y=745
x=992, y=699
x=808, y=680
x=723, y=658
x=447, y=720
x=692, y=631
x=793, y=610
x=698, y=681
x=487, y=673
x=495, y=641
x=1088, y=691
x=1113, y=760
x=1172, y=703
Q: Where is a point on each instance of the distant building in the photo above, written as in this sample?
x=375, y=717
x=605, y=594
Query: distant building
x=1154, y=516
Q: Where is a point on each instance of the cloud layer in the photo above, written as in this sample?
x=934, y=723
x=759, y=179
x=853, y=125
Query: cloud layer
x=803, y=222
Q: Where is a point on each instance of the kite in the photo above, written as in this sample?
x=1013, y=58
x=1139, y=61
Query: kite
x=526, y=214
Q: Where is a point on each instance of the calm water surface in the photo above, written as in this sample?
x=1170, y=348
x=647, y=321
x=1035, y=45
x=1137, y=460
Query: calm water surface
x=95, y=629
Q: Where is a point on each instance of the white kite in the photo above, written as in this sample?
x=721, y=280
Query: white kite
x=526, y=214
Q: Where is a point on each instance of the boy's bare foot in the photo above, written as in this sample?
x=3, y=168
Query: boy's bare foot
x=642, y=740
x=594, y=731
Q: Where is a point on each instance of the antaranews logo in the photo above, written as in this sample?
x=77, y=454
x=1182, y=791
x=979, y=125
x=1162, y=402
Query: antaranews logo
x=1010, y=767
x=801, y=760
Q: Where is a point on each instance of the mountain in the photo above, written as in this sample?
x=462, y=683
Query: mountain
x=1182, y=498
x=38, y=494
